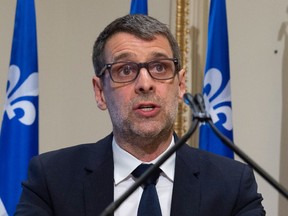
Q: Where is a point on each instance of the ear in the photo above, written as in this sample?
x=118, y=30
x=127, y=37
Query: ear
x=182, y=83
x=99, y=94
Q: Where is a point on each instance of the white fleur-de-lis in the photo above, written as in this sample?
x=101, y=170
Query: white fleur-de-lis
x=28, y=88
x=214, y=76
x=2, y=209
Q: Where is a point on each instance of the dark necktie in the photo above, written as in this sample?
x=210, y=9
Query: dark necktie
x=149, y=203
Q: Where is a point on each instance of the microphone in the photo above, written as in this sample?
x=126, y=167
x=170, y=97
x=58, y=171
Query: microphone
x=189, y=100
x=114, y=205
x=199, y=101
x=198, y=106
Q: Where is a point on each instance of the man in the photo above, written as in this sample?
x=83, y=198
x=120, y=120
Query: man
x=140, y=81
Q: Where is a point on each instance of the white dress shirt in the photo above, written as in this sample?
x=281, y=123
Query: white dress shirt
x=124, y=164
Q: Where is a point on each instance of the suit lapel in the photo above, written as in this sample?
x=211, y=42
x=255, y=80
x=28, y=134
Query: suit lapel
x=186, y=189
x=98, y=185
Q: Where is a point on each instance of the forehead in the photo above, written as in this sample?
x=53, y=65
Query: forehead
x=124, y=45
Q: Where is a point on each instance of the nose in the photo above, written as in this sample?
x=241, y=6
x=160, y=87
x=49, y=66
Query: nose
x=144, y=82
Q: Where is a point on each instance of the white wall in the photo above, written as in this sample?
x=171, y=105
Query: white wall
x=68, y=114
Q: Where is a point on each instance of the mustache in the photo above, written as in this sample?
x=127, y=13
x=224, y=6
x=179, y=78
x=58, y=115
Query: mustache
x=146, y=98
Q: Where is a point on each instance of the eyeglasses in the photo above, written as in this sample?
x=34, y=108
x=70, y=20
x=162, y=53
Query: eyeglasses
x=123, y=72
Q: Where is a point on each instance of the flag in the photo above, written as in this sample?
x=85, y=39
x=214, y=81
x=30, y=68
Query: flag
x=139, y=7
x=19, y=129
x=216, y=86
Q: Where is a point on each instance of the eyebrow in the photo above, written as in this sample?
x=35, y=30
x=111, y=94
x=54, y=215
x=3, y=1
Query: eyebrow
x=125, y=55
x=159, y=55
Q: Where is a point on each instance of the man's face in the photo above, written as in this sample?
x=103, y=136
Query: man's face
x=145, y=107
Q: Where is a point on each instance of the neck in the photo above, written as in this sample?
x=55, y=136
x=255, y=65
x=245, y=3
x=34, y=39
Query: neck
x=147, y=148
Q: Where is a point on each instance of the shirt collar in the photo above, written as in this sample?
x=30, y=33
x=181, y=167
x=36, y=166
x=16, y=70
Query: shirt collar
x=125, y=163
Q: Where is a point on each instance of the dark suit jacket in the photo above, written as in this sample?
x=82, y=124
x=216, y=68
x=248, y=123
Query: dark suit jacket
x=79, y=181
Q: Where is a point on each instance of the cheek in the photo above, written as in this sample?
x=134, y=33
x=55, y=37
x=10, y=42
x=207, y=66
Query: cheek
x=171, y=98
x=118, y=101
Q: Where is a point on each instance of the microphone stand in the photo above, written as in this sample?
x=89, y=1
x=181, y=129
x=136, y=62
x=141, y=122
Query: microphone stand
x=199, y=114
x=196, y=116
x=199, y=101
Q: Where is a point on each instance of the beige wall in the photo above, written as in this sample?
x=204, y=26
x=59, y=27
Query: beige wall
x=258, y=91
x=68, y=112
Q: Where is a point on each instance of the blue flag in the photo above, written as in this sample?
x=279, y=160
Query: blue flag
x=139, y=7
x=19, y=130
x=216, y=87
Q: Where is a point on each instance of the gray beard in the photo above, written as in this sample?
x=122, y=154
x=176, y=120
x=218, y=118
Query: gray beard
x=128, y=133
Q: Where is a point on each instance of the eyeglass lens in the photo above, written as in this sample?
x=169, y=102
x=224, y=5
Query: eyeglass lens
x=128, y=71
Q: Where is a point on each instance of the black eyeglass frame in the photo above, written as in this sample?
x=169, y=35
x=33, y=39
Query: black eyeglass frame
x=140, y=65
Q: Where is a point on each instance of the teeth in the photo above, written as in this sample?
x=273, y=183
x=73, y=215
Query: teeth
x=146, y=108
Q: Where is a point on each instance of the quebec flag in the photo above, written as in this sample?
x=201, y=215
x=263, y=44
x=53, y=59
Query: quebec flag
x=19, y=130
x=216, y=86
x=139, y=7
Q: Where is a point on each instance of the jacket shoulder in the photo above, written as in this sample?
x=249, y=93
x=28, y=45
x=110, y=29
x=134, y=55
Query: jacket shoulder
x=71, y=156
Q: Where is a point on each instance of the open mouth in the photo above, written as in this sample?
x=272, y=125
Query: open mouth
x=146, y=108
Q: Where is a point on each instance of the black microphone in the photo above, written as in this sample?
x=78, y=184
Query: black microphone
x=199, y=101
x=114, y=205
x=189, y=100
x=197, y=105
